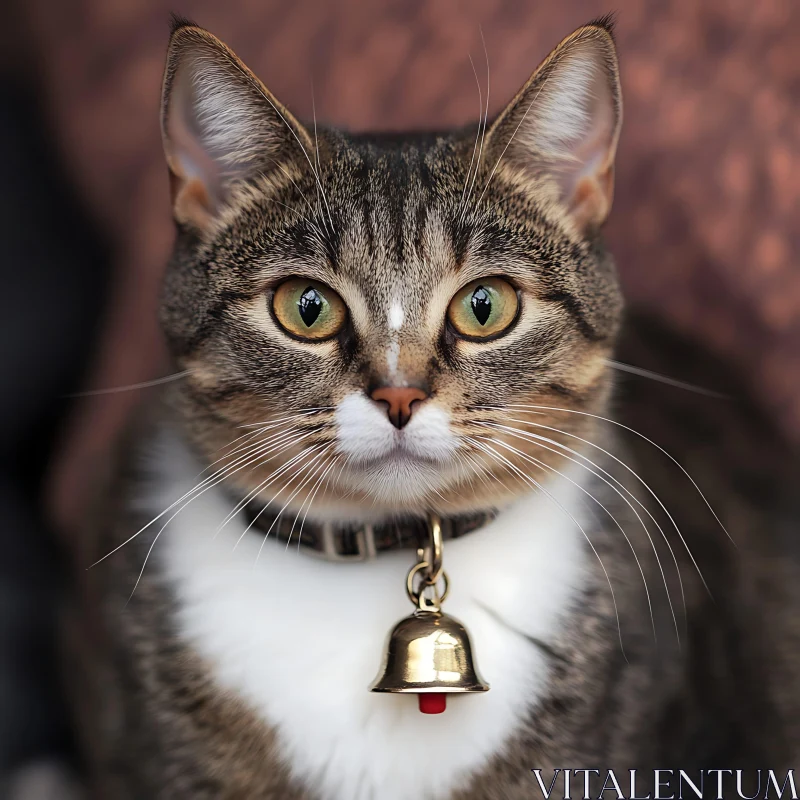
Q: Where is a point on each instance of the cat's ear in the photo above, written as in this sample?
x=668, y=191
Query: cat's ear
x=564, y=124
x=219, y=124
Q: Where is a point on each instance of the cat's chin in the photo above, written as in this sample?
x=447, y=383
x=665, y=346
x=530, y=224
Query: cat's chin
x=399, y=481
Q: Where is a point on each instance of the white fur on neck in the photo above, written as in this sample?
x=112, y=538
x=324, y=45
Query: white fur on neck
x=300, y=639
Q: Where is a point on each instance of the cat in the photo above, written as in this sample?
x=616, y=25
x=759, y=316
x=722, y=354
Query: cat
x=370, y=329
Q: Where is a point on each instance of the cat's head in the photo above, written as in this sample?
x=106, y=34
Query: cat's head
x=387, y=323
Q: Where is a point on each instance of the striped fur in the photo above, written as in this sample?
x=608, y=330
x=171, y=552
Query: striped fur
x=396, y=225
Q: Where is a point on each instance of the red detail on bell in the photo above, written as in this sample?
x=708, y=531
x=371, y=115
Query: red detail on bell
x=432, y=702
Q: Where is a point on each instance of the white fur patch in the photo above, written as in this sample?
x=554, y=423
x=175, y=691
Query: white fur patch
x=395, y=321
x=301, y=639
x=396, y=317
x=365, y=435
x=362, y=430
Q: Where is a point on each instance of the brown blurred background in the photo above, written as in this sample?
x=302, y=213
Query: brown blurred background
x=705, y=224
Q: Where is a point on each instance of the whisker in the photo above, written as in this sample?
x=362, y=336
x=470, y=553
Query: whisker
x=650, y=442
x=308, y=503
x=481, y=471
x=638, y=478
x=299, y=214
x=253, y=439
x=470, y=475
x=619, y=488
x=438, y=493
x=302, y=412
x=291, y=497
x=539, y=463
x=302, y=194
x=294, y=134
x=326, y=486
x=207, y=483
x=316, y=148
x=285, y=429
x=655, y=376
x=257, y=451
x=533, y=482
x=477, y=137
x=285, y=423
x=164, y=527
x=514, y=133
x=485, y=120
x=268, y=481
x=176, y=376
x=249, y=435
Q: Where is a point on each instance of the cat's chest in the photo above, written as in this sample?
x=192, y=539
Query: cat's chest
x=300, y=640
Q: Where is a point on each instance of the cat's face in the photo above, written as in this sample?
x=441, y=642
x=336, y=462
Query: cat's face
x=383, y=313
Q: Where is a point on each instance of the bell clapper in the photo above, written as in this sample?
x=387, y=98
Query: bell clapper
x=429, y=653
x=432, y=702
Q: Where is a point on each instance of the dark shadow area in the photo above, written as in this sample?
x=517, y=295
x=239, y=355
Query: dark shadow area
x=54, y=271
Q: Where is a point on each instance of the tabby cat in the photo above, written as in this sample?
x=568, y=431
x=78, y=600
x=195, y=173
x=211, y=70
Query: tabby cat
x=369, y=329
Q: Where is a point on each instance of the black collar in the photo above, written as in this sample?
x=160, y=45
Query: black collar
x=343, y=542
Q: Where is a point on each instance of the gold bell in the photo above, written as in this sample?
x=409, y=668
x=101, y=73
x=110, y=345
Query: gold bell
x=429, y=653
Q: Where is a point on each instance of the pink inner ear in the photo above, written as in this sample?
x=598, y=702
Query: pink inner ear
x=593, y=150
x=586, y=181
x=568, y=121
x=221, y=126
x=588, y=157
x=194, y=168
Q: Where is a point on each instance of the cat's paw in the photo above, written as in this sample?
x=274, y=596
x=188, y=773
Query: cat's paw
x=47, y=779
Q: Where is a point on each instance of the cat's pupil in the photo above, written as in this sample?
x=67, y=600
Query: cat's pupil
x=481, y=304
x=310, y=306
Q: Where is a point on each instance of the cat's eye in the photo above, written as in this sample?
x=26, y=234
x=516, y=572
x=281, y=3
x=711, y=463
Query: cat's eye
x=483, y=308
x=308, y=309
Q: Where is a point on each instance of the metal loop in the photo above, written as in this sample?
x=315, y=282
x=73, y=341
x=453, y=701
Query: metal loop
x=431, y=552
x=418, y=597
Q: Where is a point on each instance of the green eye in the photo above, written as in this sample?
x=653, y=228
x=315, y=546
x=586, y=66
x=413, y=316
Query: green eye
x=308, y=309
x=483, y=308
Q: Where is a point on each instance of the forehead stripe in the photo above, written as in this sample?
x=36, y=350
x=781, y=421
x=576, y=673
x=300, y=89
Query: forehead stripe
x=396, y=316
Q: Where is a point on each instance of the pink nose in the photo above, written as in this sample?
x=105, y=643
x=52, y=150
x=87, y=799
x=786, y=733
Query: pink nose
x=400, y=402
